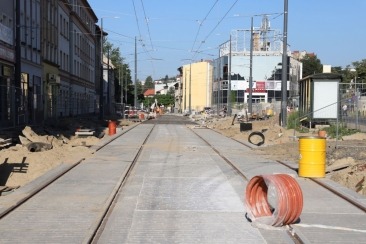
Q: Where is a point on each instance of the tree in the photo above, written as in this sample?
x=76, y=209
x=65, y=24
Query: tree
x=166, y=78
x=311, y=65
x=122, y=74
x=149, y=83
x=139, y=91
x=148, y=101
x=360, y=69
x=165, y=100
x=347, y=73
x=171, y=91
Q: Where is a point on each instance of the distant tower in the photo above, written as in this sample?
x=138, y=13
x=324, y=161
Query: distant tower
x=265, y=27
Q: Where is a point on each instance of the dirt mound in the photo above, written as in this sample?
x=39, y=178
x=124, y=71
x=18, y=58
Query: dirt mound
x=344, y=158
x=20, y=165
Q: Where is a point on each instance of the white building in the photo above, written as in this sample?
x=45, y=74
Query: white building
x=265, y=65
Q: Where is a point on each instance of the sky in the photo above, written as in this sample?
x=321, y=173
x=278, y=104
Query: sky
x=172, y=33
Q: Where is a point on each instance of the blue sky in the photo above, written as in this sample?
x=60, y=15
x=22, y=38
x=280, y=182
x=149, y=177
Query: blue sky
x=172, y=32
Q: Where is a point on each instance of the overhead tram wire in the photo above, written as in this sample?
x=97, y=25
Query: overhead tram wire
x=147, y=24
x=137, y=19
x=204, y=19
x=111, y=31
x=139, y=30
x=209, y=34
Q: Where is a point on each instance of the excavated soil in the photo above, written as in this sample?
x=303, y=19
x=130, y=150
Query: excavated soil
x=344, y=158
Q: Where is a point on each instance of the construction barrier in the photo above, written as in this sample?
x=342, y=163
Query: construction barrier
x=112, y=127
x=312, y=156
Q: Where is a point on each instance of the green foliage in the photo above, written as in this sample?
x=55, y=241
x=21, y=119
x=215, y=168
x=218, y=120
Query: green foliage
x=347, y=73
x=166, y=79
x=311, y=65
x=360, y=68
x=165, y=100
x=357, y=70
x=233, y=97
x=171, y=91
x=342, y=131
x=293, y=122
x=149, y=83
x=122, y=74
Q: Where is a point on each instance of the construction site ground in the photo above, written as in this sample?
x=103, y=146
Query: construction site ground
x=19, y=165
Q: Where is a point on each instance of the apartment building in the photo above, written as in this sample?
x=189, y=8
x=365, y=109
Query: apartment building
x=196, y=86
x=243, y=70
x=7, y=62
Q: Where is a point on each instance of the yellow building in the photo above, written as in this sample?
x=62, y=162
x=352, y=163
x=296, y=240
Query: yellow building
x=197, y=86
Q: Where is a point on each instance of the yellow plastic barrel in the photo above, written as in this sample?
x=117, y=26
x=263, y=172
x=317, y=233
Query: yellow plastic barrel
x=312, y=156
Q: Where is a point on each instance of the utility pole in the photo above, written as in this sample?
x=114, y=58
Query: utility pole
x=190, y=87
x=284, y=68
x=229, y=81
x=219, y=84
x=135, y=92
x=185, y=90
x=108, y=87
x=250, y=106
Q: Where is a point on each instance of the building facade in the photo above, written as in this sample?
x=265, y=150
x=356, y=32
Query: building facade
x=77, y=59
x=50, y=62
x=7, y=63
x=256, y=71
x=196, y=86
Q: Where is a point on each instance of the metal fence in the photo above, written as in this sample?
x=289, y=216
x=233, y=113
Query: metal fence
x=34, y=106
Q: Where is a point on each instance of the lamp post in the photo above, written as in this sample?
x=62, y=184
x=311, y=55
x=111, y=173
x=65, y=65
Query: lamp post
x=135, y=91
x=284, y=68
x=250, y=105
x=190, y=88
x=185, y=90
x=101, y=86
x=229, y=81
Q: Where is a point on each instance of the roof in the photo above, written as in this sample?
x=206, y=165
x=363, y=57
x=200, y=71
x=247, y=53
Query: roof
x=149, y=92
x=321, y=76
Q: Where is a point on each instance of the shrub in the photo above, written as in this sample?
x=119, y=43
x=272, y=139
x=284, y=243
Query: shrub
x=342, y=130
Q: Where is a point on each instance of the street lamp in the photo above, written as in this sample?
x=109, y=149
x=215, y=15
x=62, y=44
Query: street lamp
x=101, y=87
x=284, y=68
x=135, y=91
x=190, y=88
x=229, y=85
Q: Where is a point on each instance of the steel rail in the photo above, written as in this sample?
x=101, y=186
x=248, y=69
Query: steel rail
x=96, y=231
x=293, y=235
x=337, y=193
x=40, y=187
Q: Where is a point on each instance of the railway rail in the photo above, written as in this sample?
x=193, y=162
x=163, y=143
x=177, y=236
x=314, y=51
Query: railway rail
x=112, y=206
x=294, y=237
x=338, y=193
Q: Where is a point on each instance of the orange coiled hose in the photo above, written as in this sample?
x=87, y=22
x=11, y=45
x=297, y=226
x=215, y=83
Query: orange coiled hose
x=274, y=199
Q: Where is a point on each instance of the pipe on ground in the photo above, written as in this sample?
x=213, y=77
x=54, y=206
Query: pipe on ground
x=274, y=200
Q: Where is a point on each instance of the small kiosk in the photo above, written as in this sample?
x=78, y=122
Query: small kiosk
x=319, y=98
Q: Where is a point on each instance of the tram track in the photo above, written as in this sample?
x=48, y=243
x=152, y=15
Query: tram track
x=315, y=180
x=290, y=229
x=51, y=178
x=97, y=231
x=294, y=237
